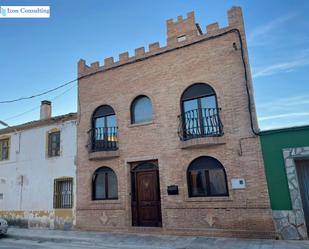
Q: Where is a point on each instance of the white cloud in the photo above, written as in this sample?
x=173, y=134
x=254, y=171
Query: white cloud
x=282, y=67
x=285, y=102
x=299, y=59
x=285, y=115
x=284, y=112
x=257, y=35
x=277, y=125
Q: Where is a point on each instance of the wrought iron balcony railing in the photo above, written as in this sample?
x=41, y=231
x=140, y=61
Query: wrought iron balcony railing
x=103, y=139
x=202, y=122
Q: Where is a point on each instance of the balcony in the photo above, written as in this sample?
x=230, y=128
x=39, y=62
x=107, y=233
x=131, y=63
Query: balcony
x=202, y=125
x=103, y=143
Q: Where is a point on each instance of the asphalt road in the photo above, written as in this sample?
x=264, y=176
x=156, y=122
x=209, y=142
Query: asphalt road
x=198, y=243
x=7, y=243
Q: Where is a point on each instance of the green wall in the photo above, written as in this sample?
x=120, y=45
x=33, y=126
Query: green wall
x=273, y=142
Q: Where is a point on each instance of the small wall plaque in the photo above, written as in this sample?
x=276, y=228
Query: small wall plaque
x=172, y=190
x=238, y=183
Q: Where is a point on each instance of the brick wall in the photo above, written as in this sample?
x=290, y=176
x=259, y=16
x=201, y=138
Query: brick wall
x=162, y=74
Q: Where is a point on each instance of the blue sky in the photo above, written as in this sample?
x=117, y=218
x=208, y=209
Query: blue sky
x=39, y=54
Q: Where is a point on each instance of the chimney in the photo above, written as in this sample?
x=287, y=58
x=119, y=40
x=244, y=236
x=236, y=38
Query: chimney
x=45, y=110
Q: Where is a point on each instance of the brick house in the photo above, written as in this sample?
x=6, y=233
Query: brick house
x=165, y=139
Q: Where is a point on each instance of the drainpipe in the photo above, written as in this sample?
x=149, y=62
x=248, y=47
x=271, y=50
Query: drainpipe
x=21, y=192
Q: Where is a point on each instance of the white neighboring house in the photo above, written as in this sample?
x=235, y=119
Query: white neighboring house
x=37, y=171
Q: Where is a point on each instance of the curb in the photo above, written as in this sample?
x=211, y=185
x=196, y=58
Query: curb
x=47, y=239
x=42, y=239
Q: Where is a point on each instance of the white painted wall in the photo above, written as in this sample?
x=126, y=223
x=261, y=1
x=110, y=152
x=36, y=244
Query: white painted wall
x=29, y=160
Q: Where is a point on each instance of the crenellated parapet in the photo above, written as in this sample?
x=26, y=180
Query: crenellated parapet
x=180, y=32
x=123, y=58
x=182, y=29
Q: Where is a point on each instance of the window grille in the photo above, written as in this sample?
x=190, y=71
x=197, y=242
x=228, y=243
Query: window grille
x=63, y=193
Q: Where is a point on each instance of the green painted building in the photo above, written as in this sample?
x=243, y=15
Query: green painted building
x=283, y=151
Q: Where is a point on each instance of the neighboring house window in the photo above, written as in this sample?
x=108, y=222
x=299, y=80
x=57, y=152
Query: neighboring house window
x=4, y=149
x=63, y=193
x=206, y=177
x=104, y=184
x=141, y=110
x=54, y=144
x=104, y=129
x=200, y=115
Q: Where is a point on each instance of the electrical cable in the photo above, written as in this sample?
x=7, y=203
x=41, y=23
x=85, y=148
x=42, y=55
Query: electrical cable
x=38, y=95
x=246, y=81
x=37, y=107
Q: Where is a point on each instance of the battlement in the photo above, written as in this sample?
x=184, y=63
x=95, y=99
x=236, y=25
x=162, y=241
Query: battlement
x=180, y=32
x=182, y=29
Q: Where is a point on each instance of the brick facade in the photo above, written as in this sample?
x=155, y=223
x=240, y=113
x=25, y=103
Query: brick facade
x=162, y=74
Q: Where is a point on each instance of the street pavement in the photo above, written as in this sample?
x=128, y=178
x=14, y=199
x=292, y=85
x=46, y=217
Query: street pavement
x=55, y=239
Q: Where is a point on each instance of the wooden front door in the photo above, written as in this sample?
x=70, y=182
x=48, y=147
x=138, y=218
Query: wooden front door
x=146, y=203
x=302, y=167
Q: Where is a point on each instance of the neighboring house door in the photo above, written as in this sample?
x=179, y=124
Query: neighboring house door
x=146, y=204
x=303, y=181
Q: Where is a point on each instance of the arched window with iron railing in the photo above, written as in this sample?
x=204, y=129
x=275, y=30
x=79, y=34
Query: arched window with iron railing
x=199, y=113
x=104, y=134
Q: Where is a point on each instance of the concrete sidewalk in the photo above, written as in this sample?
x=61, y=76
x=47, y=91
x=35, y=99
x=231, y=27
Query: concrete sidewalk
x=114, y=240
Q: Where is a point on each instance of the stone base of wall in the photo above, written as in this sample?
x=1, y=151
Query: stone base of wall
x=56, y=219
x=185, y=232
x=237, y=223
x=290, y=224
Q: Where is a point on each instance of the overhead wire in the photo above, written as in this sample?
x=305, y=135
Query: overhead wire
x=39, y=94
x=37, y=107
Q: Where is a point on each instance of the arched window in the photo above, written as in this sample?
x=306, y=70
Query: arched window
x=104, y=129
x=141, y=110
x=104, y=184
x=206, y=177
x=200, y=116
